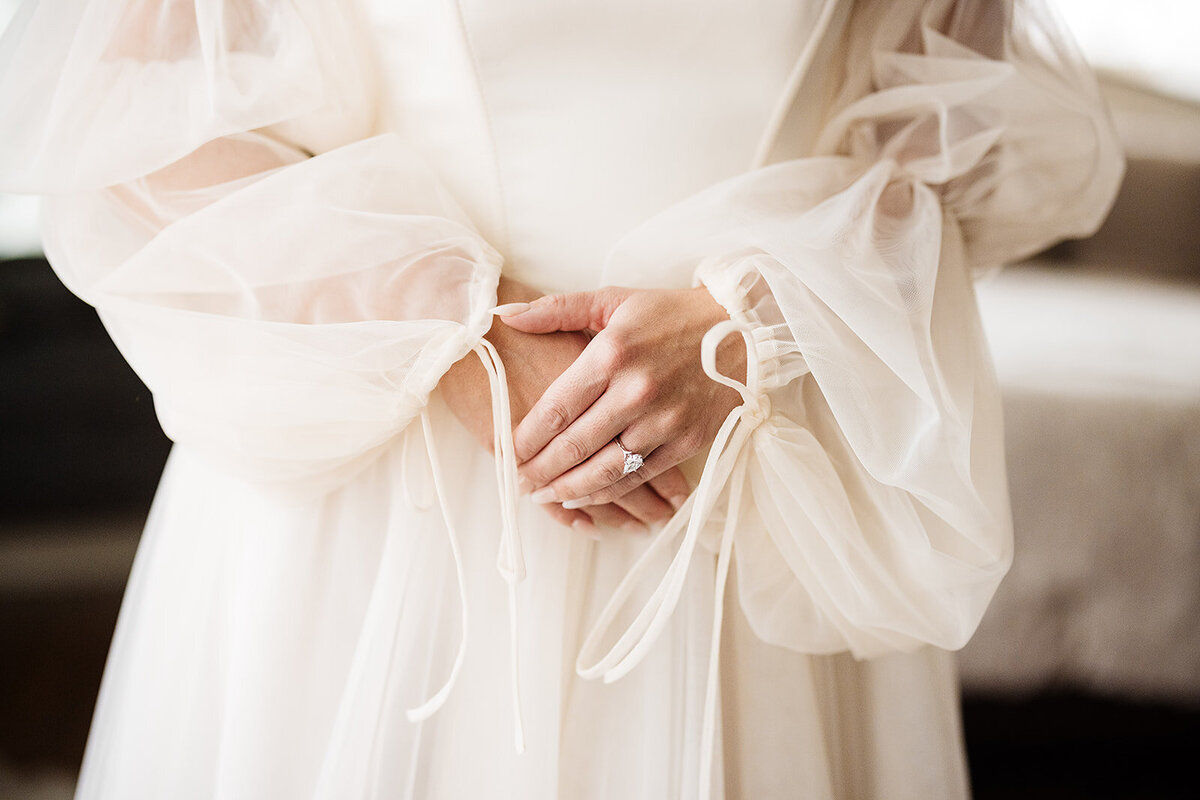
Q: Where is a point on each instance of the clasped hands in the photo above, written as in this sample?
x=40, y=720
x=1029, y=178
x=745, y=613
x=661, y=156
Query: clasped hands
x=586, y=367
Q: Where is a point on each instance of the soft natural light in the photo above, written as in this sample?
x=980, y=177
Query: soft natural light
x=1150, y=41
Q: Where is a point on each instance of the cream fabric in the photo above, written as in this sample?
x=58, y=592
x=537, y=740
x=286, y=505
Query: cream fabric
x=292, y=218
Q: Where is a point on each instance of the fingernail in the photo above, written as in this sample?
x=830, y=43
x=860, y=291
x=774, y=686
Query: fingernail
x=633, y=526
x=586, y=528
x=545, y=495
x=677, y=501
x=577, y=503
x=510, y=309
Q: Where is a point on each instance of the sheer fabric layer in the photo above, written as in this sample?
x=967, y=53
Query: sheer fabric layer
x=291, y=283
x=880, y=518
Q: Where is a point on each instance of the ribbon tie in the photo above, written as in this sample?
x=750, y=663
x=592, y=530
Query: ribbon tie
x=725, y=465
x=353, y=770
x=511, y=559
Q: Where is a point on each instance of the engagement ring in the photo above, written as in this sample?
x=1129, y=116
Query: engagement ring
x=633, y=461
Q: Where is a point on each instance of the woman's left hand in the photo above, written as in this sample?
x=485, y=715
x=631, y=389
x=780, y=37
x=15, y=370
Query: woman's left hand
x=639, y=378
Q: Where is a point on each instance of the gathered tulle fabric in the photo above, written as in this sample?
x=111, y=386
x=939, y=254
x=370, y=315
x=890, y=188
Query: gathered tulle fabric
x=295, y=347
x=96, y=93
x=300, y=341
x=870, y=437
x=292, y=282
x=880, y=517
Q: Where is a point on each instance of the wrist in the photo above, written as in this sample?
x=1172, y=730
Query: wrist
x=508, y=291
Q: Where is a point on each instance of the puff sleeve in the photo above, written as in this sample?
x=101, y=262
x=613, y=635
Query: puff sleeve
x=290, y=286
x=860, y=490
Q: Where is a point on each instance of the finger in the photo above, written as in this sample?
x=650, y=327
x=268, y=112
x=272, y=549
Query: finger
x=574, y=519
x=594, y=429
x=659, y=461
x=601, y=470
x=572, y=311
x=672, y=486
x=614, y=516
x=571, y=393
x=645, y=504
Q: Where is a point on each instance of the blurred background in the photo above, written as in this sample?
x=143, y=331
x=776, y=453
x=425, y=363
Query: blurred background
x=1084, y=678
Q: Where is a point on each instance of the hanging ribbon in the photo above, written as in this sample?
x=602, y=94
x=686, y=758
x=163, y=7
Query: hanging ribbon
x=725, y=466
x=511, y=559
x=354, y=771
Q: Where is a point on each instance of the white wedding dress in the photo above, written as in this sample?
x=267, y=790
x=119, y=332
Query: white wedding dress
x=292, y=216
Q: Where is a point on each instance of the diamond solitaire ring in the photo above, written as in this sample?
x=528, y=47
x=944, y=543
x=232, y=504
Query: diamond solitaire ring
x=633, y=461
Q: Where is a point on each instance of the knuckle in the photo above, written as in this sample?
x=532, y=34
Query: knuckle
x=610, y=352
x=642, y=389
x=674, y=418
x=573, y=449
x=554, y=417
x=611, y=473
x=691, y=440
x=532, y=474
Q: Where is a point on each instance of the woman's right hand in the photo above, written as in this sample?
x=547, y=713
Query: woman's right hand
x=533, y=362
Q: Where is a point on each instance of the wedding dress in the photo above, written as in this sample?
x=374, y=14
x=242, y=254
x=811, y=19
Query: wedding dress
x=291, y=216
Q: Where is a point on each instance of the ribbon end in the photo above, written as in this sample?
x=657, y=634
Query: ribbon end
x=620, y=671
x=588, y=673
x=422, y=712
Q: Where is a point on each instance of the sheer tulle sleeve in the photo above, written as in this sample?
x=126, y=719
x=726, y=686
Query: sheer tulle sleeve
x=99, y=92
x=860, y=491
x=290, y=287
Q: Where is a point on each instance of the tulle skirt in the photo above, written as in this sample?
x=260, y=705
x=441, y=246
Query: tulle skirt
x=270, y=645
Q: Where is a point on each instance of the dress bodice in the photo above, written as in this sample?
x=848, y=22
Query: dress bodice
x=560, y=126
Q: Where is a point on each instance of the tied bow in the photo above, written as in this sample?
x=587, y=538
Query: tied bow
x=725, y=465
